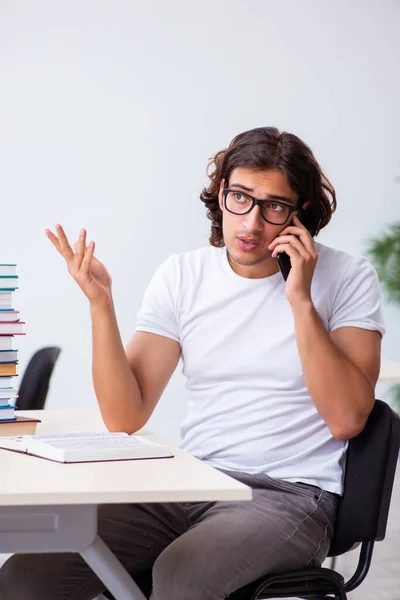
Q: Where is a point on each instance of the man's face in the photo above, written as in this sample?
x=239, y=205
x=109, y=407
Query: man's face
x=254, y=261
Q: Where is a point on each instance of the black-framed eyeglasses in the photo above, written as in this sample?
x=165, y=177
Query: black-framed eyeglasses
x=273, y=211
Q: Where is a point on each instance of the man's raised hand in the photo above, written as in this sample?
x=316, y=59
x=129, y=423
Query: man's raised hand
x=89, y=273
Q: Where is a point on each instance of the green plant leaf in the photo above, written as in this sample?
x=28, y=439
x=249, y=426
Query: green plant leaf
x=384, y=252
x=393, y=394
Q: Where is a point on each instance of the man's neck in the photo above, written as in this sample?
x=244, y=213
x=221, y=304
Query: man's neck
x=260, y=271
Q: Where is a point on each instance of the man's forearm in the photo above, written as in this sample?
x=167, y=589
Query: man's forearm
x=116, y=388
x=340, y=392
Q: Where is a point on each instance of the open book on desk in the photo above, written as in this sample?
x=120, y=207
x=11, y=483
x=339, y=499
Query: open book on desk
x=86, y=447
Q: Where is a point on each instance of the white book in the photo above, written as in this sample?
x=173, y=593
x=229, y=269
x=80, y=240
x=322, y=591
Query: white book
x=7, y=394
x=7, y=269
x=8, y=356
x=7, y=412
x=12, y=328
x=9, y=314
x=5, y=299
x=6, y=381
x=9, y=282
x=6, y=342
x=6, y=401
x=86, y=447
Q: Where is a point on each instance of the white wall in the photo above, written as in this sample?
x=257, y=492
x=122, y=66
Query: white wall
x=109, y=111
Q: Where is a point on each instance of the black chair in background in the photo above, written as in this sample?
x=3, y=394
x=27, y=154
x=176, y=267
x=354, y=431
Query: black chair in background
x=362, y=518
x=36, y=378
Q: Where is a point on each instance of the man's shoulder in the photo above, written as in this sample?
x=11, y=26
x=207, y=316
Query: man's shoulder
x=187, y=268
x=333, y=263
x=331, y=253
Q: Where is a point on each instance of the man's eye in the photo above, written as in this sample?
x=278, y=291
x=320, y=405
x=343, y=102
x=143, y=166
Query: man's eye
x=276, y=207
x=240, y=197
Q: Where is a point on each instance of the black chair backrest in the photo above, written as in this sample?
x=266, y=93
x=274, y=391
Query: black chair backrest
x=36, y=378
x=370, y=469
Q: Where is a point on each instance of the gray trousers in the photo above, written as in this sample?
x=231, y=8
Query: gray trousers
x=195, y=551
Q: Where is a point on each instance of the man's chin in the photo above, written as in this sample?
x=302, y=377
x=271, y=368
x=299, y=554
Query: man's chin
x=248, y=259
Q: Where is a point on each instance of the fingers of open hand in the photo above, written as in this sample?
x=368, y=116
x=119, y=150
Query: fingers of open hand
x=80, y=248
x=65, y=248
x=80, y=258
x=87, y=259
x=73, y=259
x=54, y=240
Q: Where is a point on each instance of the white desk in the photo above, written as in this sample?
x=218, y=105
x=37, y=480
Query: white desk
x=51, y=507
x=390, y=371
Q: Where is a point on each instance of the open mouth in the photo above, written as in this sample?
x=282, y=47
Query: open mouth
x=247, y=245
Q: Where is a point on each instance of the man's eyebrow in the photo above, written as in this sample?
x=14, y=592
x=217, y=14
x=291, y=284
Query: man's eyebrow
x=269, y=196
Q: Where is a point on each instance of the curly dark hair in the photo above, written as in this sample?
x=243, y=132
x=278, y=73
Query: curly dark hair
x=267, y=148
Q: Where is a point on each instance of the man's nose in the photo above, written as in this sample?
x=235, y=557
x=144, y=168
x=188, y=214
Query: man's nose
x=253, y=219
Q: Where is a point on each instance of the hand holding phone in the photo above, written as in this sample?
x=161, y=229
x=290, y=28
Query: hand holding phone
x=283, y=259
x=302, y=254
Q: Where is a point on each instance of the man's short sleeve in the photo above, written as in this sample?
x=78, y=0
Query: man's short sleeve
x=358, y=298
x=158, y=311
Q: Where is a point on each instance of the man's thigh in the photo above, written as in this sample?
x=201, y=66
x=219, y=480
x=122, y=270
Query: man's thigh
x=232, y=544
x=136, y=534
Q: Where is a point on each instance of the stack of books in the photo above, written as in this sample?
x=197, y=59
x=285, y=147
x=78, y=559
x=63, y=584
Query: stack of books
x=10, y=326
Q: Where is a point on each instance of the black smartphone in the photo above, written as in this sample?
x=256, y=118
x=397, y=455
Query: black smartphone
x=284, y=263
x=283, y=259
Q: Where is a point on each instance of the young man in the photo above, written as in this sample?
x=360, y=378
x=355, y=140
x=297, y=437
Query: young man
x=279, y=375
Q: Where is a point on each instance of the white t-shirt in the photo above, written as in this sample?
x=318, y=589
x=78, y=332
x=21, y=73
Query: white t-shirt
x=248, y=408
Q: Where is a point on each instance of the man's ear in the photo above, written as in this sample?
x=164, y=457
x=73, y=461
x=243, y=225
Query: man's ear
x=220, y=199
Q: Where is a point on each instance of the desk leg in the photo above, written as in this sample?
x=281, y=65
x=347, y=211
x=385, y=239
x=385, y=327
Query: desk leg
x=110, y=571
x=66, y=528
